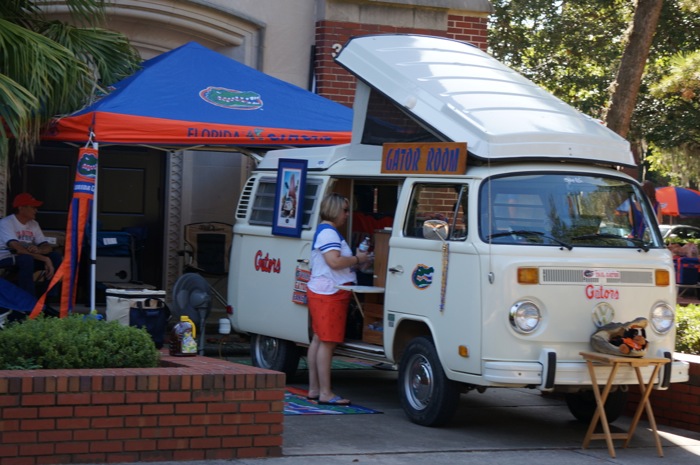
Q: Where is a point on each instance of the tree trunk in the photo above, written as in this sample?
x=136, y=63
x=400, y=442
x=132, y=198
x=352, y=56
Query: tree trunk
x=629, y=75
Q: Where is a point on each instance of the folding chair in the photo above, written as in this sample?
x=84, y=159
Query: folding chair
x=207, y=251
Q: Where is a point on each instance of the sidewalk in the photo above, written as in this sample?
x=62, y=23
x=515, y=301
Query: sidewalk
x=497, y=427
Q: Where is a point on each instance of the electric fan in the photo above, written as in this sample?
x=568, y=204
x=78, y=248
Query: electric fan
x=191, y=298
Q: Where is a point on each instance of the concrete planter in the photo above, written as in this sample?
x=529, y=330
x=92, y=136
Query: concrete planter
x=190, y=408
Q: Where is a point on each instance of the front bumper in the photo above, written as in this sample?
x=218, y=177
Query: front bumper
x=548, y=373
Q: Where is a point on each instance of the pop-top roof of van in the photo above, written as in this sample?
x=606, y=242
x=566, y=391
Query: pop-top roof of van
x=464, y=94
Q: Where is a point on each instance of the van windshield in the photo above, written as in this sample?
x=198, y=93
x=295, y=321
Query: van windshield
x=569, y=210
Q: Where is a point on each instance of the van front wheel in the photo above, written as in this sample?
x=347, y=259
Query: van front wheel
x=428, y=398
x=274, y=354
x=582, y=405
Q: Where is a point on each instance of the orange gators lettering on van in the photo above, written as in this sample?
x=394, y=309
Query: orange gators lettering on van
x=267, y=264
x=599, y=292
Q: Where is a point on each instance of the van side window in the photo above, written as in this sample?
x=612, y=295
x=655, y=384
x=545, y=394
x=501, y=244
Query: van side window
x=386, y=122
x=446, y=202
x=262, y=211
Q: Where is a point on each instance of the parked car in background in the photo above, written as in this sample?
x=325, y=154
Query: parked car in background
x=680, y=232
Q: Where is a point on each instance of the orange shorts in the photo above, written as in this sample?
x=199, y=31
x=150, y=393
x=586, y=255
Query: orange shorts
x=329, y=314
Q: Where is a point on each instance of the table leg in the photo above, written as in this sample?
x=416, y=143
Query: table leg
x=600, y=408
x=359, y=304
x=644, y=404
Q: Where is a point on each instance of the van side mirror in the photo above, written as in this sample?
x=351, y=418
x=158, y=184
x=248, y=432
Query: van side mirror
x=436, y=229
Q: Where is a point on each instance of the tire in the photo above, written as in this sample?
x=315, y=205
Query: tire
x=582, y=405
x=428, y=398
x=274, y=354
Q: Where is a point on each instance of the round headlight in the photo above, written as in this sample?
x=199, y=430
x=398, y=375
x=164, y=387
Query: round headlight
x=662, y=317
x=525, y=316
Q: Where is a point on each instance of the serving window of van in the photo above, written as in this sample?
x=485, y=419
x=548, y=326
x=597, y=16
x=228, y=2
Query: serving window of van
x=373, y=208
x=566, y=210
x=443, y=202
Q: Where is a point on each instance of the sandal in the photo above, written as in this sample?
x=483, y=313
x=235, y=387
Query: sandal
x=337, y=400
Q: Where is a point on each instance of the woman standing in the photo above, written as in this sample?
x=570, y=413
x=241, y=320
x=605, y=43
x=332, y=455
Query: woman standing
x=332, y=264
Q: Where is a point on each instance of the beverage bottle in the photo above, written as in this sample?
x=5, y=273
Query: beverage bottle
x=364, y=245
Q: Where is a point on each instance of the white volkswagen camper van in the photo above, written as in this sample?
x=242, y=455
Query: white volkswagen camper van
x=499, y=222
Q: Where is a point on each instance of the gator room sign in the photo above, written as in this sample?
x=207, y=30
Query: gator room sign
x=425, y=158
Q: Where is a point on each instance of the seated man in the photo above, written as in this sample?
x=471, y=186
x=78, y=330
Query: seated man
x=23, y=245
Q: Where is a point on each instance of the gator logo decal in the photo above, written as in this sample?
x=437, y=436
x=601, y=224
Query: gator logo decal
x=422, y=276
x=232, y=99
x=87, y=166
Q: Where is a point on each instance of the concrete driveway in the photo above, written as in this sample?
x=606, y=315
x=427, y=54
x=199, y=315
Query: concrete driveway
x=500, y=426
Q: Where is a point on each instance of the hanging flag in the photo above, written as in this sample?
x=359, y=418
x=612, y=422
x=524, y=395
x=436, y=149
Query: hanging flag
x=78, y=214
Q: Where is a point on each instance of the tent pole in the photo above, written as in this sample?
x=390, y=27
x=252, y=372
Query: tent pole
x=93, y=239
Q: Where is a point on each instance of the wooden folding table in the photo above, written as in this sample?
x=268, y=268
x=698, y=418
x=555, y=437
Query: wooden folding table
x=615, y=362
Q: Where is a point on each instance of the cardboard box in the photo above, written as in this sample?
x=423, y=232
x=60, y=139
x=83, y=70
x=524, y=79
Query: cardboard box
x=373, y=324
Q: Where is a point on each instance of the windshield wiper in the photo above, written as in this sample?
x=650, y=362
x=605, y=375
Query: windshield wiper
x=636, y=241
x=526, y=233
x=639, y=242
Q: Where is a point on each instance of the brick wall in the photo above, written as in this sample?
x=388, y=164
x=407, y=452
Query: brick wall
x=191, y=408
x=335, y=83
x=679, y=405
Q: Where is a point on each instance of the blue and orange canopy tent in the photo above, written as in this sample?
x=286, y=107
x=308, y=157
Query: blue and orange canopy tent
x=190, y=97
x=193, y=96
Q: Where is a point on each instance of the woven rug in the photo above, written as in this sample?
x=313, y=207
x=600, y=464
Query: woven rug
x=296, y=403
x=338, y=363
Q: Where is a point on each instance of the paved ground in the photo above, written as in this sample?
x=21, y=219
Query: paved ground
x=500, y=426
x=497, y=427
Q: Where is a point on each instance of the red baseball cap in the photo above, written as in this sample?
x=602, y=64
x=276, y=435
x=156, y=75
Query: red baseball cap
x=24, y=199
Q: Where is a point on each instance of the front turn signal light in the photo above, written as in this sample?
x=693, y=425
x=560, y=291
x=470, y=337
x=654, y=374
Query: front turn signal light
x=528, y=275
x=663, y=277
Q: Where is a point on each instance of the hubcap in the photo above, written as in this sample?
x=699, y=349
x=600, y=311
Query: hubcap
x=419, y=382
x=266, y=350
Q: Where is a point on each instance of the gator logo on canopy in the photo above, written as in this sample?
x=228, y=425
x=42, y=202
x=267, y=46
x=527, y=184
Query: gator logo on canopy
x=233, y=99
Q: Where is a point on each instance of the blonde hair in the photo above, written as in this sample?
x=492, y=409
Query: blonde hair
x=332, y=206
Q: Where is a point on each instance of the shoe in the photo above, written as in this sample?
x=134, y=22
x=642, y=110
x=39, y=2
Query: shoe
x=337, y=400
x=314, y=398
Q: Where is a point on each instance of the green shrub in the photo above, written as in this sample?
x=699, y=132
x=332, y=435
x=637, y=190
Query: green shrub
x=75, y=342
x=688, y=329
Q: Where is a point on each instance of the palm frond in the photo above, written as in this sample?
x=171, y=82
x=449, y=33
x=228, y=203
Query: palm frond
x=19, y=11
x=45, y=68
x=108, y=53
x=50, y=68
x=85, y=12
x=17, y=105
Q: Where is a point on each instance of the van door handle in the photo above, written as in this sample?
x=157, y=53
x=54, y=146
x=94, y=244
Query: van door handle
x=396, y=269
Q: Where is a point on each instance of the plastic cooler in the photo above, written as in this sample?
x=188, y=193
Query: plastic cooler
x=686, y=270
x=120, y=301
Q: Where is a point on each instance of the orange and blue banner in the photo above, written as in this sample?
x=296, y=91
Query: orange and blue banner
x=78, y=214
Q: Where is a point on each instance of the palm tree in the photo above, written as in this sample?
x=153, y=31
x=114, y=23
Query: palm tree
x=50, y=68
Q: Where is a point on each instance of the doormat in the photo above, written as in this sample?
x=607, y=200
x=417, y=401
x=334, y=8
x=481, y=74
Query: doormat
x=296, y=403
